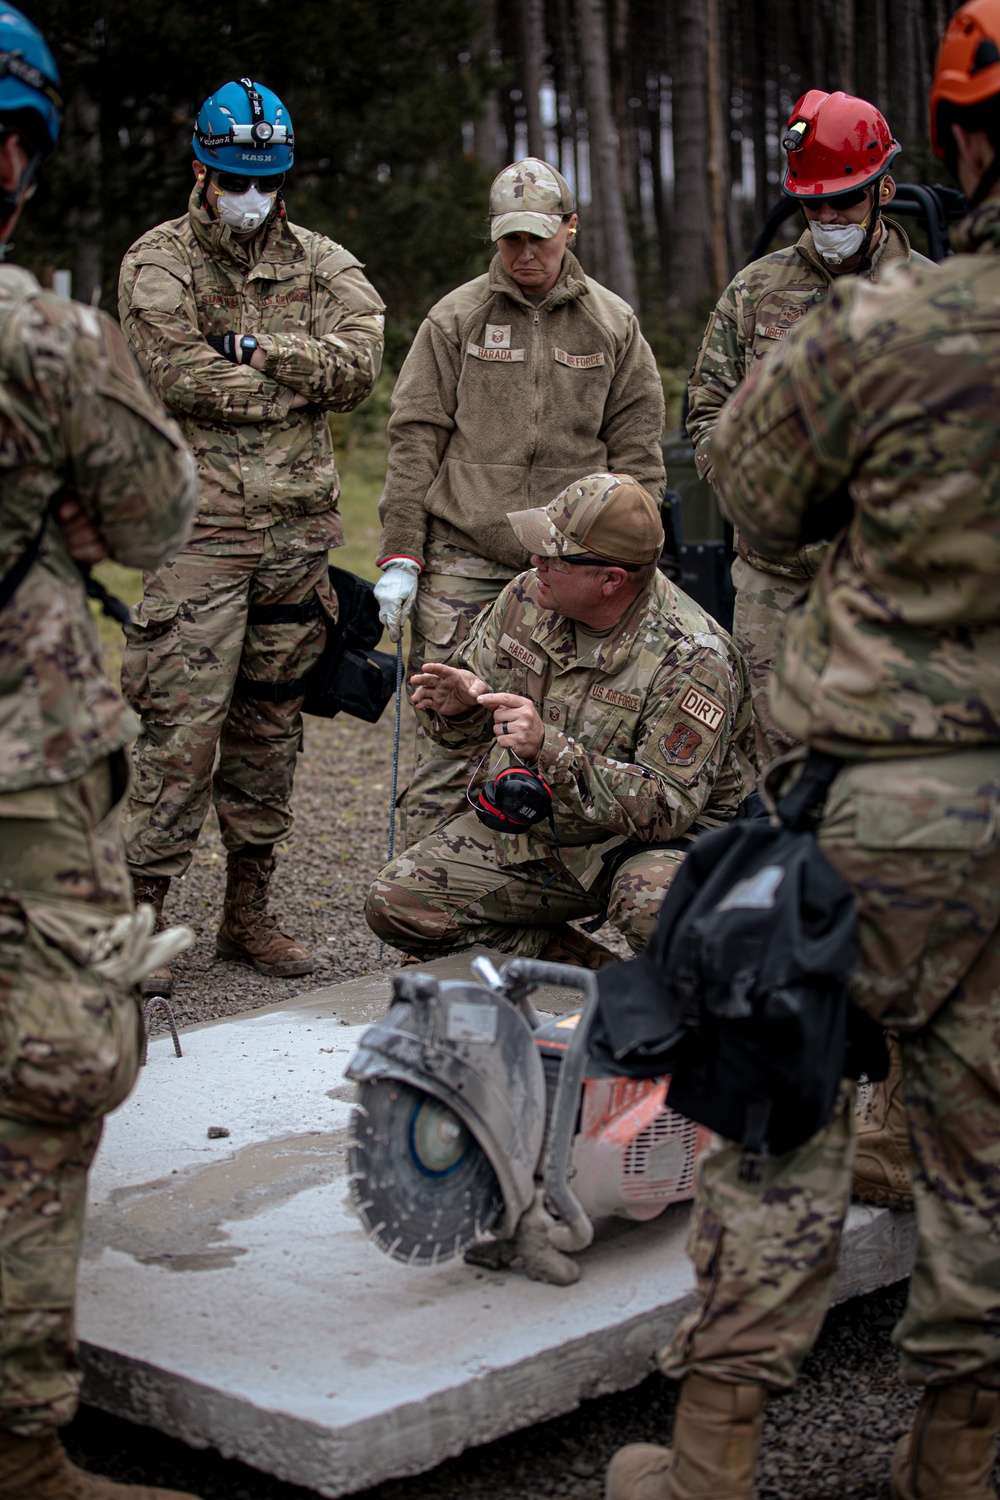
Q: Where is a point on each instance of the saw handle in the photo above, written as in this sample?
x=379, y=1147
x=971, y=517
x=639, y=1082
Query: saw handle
x=576, y=1231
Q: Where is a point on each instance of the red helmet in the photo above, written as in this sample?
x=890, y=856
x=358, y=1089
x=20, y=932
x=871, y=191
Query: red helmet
x=836, y=144
x=968, y=63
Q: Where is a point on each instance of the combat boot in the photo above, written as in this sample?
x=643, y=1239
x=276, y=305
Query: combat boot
x=567, y=945
x=151, y=890
x=949, y=1452
x=882, y=1164
x=248, y=930
x=38, y=1468
x=716, y=1440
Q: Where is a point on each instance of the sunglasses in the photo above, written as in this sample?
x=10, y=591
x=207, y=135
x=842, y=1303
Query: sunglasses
x=839, y=200
x=229, y=182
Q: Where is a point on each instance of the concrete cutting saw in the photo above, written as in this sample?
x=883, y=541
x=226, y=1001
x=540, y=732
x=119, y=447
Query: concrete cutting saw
x=485, y=1130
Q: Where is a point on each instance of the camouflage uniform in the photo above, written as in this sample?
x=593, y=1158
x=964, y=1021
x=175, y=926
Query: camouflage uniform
x=78, y=418
x=645, y=735
x=758, y=309
x=501, y=402
x=267, y=516
x=894, y=663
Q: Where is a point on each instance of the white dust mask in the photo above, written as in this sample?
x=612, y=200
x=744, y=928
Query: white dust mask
x=838, y=242
x=245, y=212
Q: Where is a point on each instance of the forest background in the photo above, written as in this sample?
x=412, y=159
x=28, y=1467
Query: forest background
x=665, y=115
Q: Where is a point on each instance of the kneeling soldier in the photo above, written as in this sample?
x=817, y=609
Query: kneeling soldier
x=628, y=701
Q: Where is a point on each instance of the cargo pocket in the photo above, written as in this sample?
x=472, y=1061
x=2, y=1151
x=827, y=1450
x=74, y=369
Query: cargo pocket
x=439, y=620
x=151, y=658
x=922, y=864
x=70, y=1039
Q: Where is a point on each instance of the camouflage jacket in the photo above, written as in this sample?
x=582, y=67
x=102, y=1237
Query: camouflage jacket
x=759, y=308
x=644, y=734
x=317, y=320
x=77, y=420
x=890, y=390
x=501, y=403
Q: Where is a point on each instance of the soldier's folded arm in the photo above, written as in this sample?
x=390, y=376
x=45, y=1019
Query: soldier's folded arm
x=634, y=416
x=421, y=421
x=159, y=317
x=787, y=441
x=132, y=471
x=337, y=364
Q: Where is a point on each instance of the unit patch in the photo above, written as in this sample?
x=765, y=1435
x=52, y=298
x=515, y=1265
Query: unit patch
x=520, y=653
x=504, y=356
x=577, y=361
x=605, y=694
x=680, y=746
x=700, y=706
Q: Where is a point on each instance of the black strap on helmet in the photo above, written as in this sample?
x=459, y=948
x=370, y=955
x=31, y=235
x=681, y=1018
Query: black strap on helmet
x=14, y=65
x=256, y=102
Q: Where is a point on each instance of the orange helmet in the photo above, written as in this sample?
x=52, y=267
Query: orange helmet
x=968, y=62
x=837, y=144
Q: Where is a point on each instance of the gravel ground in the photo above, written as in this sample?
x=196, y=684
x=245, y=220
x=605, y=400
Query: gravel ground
x=829, y=1439
x=341, y=803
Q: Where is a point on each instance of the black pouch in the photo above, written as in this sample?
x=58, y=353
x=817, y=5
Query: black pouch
x=741, y=994
x=350, y=677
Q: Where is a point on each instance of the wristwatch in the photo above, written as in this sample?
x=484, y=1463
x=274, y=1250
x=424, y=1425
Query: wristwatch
x=248, y=345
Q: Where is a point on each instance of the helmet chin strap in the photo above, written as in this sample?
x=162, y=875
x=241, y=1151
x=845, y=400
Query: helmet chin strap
x=12, y=198
x=865, y=263
x=988, y=181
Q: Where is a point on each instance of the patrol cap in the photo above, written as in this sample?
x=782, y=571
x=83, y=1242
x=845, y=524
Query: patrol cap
x=609, y=516
x=529, y=197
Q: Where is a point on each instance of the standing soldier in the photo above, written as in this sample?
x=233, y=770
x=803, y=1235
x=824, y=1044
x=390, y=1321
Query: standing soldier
x=893, y=663
x=252, y=329
x=839, y=150
x=91, y=466
x=516, y=384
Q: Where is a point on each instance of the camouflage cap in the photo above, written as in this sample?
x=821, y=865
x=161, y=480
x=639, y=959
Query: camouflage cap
x=606, y=515
x=529, y=197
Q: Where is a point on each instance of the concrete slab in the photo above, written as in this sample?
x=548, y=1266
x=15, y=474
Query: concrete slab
x=229, y=1298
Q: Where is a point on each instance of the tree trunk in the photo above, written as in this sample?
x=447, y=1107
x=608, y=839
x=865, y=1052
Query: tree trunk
x=489, y=130
x=845, y=45
x=603, y=140
x=85, y=220
x=717, y=176
x=691, y=259
x=533, y=51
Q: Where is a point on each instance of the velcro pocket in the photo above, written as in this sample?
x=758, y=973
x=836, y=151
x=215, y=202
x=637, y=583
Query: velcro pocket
x=160, y=283
x=341, y=272
x=926, y=820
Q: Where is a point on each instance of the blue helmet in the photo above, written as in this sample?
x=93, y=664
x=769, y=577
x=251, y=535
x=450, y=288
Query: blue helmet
x=29, y=78
x=244, y=128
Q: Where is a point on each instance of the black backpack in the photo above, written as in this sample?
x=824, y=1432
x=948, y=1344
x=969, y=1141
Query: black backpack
x=741, y=994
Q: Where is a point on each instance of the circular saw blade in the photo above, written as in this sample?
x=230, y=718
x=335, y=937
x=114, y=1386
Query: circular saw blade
x=420, y=1182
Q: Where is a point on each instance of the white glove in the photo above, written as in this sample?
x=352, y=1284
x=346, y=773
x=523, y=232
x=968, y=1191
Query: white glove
x=395, y=592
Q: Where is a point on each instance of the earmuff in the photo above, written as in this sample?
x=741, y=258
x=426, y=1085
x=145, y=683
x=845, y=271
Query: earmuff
x=516, y=798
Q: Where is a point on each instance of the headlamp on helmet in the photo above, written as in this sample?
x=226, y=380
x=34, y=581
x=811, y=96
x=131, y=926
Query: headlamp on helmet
x=244, y=128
